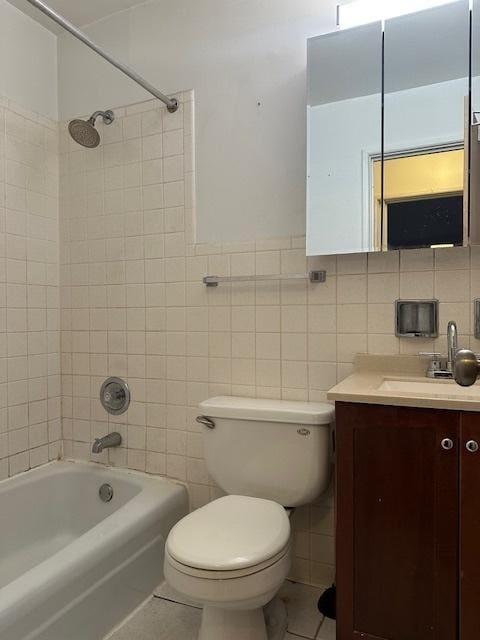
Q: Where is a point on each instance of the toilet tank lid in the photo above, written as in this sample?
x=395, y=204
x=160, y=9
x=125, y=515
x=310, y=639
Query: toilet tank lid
x=319, y=413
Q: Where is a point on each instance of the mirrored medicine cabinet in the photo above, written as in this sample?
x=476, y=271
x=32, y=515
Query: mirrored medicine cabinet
x=393, y=137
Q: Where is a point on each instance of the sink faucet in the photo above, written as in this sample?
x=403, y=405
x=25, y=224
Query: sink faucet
x=467, y=367
x=111, y=440
x=452, y=344
x=442, y=366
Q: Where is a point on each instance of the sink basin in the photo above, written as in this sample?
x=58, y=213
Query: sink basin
x=428, y=387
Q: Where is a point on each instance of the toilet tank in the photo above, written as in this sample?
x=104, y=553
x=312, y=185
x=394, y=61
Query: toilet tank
x=274, y=449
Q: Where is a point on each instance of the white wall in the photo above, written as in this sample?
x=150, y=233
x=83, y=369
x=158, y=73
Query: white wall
x=235, y=53
x=343, y=134
x=28, y=62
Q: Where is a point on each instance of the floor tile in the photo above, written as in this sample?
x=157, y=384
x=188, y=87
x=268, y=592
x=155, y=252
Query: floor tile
x=327, y=630
x=161, y=620
x=168, y=616
x=166, y=591
x=301, y=602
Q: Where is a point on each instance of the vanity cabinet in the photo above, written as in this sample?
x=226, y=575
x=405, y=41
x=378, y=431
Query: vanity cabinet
x=408, y=523
x=469, y=613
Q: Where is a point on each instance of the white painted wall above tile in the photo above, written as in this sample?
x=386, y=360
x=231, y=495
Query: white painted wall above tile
x=28, y=62
x=247, y=63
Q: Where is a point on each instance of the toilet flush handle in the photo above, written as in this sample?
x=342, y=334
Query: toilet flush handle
x=206, y=421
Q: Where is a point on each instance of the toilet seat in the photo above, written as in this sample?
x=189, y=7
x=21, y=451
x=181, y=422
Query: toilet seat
x=229, y=590
x=231, y=534
x=207, y=574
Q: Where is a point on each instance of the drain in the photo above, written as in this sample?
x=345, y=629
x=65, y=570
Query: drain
x=105, y=492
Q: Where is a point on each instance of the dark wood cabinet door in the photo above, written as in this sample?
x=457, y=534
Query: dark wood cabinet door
x=470, y=528
x=397, y=523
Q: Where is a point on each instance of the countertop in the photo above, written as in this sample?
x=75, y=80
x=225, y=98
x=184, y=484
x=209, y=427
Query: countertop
x=371, y=371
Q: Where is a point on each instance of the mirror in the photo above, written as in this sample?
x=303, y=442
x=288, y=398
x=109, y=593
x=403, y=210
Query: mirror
x=473, y=139
x=344, y=109
x=426, y=69
x=391, y=178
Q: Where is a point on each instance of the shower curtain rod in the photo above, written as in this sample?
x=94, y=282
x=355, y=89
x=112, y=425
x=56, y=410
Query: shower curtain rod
x=172, y=103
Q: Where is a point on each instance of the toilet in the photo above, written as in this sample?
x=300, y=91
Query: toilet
x=233, y=555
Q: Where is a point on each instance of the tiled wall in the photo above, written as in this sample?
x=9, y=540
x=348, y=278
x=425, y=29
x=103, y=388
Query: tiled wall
x=133, y=305
x=30, y=421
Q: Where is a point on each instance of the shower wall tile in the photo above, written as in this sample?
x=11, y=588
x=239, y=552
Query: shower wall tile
x=133, y=305
x=30, y=383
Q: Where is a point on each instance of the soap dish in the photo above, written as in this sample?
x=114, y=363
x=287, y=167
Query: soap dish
x=416, y=318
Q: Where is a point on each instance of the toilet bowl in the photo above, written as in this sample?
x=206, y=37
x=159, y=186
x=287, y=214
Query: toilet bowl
x=232, y=555
x=232, y=605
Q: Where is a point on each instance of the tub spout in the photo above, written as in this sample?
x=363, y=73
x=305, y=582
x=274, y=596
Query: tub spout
x=111, y=440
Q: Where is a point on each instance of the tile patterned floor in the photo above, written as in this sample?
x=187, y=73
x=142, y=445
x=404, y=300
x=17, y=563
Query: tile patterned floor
x=168, y=617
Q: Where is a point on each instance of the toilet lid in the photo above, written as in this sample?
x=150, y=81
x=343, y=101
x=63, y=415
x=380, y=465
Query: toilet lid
x=230, y=533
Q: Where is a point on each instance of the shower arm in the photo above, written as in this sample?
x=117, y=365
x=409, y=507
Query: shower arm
x=107, y=117
x=172, y=103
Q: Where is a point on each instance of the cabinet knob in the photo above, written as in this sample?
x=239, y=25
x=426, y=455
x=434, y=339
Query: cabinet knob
x=472, y=446
x=447, y=444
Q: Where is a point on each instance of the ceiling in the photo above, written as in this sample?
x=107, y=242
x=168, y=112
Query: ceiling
x=80, y=12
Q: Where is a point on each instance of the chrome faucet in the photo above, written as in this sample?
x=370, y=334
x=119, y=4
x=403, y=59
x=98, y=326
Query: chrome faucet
x=111, y=440
x=452, y=344
x=441, y=366
x=467, y=367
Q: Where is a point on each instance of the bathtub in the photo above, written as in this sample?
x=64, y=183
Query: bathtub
x=72, y=566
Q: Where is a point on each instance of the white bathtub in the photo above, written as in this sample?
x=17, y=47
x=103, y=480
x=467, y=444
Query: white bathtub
x=72, y=566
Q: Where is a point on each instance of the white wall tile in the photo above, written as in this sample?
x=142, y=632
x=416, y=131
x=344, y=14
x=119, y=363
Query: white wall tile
x=29, y=187
x=351, y=289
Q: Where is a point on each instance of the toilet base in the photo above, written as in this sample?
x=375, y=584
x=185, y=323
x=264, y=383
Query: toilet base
x=234, y=624
x=275, y=613
x=235, y=607
x=268, y=623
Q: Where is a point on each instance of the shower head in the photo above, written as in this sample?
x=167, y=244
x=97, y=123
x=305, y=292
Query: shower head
x=84, y=132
